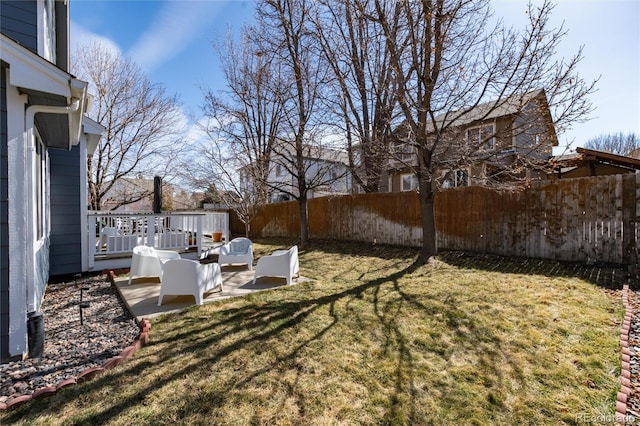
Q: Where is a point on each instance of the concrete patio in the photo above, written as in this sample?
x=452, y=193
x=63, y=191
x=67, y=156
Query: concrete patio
x=141, y=297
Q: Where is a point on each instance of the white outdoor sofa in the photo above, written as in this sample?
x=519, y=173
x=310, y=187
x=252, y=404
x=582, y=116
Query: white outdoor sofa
x=188, y=277
x=280, y=263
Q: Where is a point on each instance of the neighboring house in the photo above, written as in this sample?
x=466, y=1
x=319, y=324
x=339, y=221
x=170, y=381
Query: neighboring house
x=44, y=143
x=326, y=173
x=135, y=195
x=590, y=162
x=185, y=201
x=488, y=139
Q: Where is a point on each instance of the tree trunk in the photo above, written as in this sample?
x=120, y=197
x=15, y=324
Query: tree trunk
x=429, y=246
x=304, y=223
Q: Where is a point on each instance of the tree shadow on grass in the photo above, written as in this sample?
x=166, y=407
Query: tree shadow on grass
x=344, y=248
x=216, y=333
x=607, y=276
x=253, y=324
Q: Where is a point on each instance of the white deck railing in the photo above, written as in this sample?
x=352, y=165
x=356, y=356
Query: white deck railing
x=114, y=234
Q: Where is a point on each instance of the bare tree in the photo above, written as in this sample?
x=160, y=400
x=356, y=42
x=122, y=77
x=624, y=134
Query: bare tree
x=615, y=143
x=450, y=61
x=287, y=30
x=364, y=93
x=228, y=172
x=142, y=122
x=243, y=124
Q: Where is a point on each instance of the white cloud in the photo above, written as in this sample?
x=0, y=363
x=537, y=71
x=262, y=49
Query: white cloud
x=80, y=36
x=172, y=30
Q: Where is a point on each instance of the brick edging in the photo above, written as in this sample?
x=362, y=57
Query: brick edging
x=92, y=372
x=625, y=369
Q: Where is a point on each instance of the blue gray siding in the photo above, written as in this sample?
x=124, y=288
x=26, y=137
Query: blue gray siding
x=4, y=222
x=65, y=249
x=18, y=20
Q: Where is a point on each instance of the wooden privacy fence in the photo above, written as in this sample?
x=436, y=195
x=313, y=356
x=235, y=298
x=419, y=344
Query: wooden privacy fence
x=585, y=219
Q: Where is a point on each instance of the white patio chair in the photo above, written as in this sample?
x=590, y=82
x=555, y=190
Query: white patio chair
x=237, y=251
x=280, y=263
x=147, y=261
x=188, y=277
x=105, y=233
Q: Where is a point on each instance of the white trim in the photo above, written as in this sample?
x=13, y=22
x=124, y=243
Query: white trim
x=92, y=131
x=84, y=197
x=30, y=71
x=16, y=140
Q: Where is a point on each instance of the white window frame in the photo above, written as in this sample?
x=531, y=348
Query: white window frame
x=41, y=189
x=459, y=178
x=413, y=182
x=484, y=136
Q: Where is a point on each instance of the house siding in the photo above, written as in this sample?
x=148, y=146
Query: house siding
x=18, y=20
x=65, y=242
x=504, y=133
x=4, y=222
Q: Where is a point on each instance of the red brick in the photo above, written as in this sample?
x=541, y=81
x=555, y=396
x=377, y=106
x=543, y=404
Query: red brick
x=89, y=374
x=112, y=362
x=137, y=344
x=44, y=392
x=128, y=352
x=144, y=338
x=66, y=383
x=18, y=401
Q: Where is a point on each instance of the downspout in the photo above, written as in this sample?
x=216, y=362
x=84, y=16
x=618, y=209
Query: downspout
x=29, y=155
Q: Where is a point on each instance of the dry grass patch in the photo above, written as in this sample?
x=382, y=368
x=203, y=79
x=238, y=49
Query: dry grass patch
x=376, y=338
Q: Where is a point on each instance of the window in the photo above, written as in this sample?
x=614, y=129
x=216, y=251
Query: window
x=408, y=182
x=455, y=179
x=404, y=152
x=40, y=188
x=278, y=197
x=279, y=170
x=482, y=136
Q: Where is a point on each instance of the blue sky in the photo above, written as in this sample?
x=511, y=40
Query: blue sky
x=172, y=42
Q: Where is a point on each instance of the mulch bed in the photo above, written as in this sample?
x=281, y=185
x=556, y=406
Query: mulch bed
x=71, y=347
x=633, y=403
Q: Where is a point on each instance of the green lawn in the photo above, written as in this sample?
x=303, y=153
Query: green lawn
x=376, y=338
